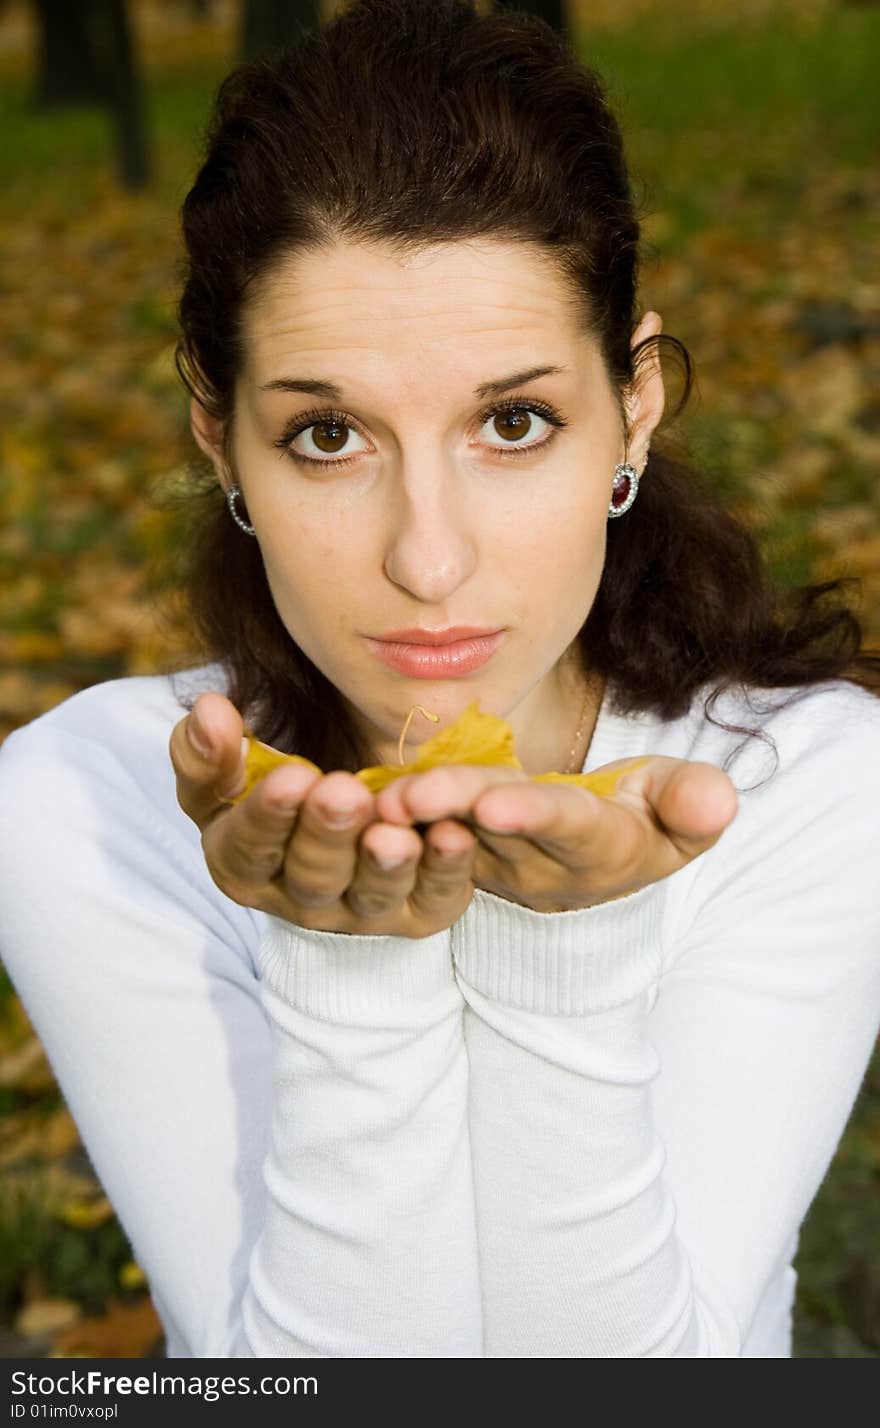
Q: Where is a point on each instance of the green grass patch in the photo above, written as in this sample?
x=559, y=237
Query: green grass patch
x=703, y=107
x=82, y=1265
x=791, y=548
x=67, y=152
x=735, y=109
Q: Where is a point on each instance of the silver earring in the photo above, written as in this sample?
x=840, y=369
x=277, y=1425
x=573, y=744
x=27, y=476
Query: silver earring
x=626, y=488
x=232, y=496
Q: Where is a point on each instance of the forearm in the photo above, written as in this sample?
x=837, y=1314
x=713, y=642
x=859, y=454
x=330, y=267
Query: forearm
x=368, y=1247
x=579, y=1254
x=577, y=1240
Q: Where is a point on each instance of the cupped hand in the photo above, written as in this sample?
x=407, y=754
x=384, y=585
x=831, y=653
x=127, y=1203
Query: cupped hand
x=558, y=847
x=279, y=850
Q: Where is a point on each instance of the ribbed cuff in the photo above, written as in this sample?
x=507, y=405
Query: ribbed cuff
x=567, y=963
x=351, y=979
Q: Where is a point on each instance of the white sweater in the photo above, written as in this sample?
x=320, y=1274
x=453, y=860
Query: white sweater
x=581, y=1134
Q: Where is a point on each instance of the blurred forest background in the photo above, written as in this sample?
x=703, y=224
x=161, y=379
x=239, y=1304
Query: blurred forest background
x=753, y=138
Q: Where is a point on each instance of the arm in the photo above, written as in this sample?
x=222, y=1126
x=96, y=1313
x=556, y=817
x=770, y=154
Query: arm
x=369, y=1243
x=658, y=1085
x=278, y=1118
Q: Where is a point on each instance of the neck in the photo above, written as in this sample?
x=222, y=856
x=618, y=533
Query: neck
x=548, y=742
x=544, y=724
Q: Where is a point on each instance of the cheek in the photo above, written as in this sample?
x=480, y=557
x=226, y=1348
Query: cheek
x=299, y=542
x=566, y=537
x=573, y=558
x=317, y=581
x=306, y=579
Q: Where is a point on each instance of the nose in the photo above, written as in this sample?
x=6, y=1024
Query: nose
x=432, y=542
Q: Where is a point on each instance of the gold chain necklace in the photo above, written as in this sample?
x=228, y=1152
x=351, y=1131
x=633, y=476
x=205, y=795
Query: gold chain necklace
x=577, y=739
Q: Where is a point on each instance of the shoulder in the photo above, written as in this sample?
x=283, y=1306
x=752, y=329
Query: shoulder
x=800, y=851
x=799, y=854
x=773, y=738
x=112, y=739
x=93, y=800
x=802, y=758
x=95, y=848
x=132, y=707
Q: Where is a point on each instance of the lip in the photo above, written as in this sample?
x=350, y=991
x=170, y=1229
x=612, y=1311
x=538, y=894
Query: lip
x=446, y=660
x=454, y=633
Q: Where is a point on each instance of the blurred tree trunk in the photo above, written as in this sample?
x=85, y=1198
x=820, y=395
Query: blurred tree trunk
x=68, y=72
x=87, y=57
x=269, y=24
x=553, y=11
x=112, y=39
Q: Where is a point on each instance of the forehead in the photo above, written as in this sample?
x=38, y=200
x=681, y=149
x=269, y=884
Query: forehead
x=449, y=303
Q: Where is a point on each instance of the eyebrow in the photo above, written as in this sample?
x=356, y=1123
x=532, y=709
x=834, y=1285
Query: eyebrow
x=316, y=388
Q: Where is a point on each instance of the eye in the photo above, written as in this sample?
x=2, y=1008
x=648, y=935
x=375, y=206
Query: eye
x=515, y=420
x=326, y=435
x=326, y=439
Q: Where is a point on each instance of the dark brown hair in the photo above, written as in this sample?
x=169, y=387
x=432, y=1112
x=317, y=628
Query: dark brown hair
x=419, y=121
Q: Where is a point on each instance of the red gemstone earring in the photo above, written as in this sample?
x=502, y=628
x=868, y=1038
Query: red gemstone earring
x=625, y=490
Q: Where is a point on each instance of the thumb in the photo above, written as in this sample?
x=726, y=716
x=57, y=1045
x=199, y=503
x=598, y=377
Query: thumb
x=207, y=751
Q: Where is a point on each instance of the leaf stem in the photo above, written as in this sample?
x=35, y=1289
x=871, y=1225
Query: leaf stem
x=416, y=709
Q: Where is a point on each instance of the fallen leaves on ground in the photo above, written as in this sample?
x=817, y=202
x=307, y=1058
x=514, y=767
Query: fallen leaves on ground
x=123, y=1331
x=777, y=302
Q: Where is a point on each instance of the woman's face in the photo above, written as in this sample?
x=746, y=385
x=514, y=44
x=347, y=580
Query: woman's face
x=447, y=509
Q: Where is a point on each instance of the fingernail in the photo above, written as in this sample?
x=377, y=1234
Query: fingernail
x=387, y=861
x=198, y=738
x=286, y=806
x=340, y=815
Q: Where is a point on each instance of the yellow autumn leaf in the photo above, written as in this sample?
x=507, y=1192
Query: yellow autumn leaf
x=131, y=1276
x=474, y=738
x=260, y=760
x=86, y=1214
x=603, y=782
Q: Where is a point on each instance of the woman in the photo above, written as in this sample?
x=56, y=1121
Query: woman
x=475, y=1066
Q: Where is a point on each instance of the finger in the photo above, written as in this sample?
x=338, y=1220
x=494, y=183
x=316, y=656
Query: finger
x=693, y=801
x=538, y=807
x=453, y=791
x=447, y=791
x=246, y=848
x=567, y=822
x=448, y=839
x=385, y=872
x=445, y=873
x=322, y=854
x=207, y=751
x=623, y=833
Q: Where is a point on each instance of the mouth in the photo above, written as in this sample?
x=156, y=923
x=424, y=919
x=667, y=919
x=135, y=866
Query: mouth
x=452, y=634
x=420, y=659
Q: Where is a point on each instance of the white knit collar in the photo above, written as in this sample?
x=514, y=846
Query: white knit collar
x=618, y=735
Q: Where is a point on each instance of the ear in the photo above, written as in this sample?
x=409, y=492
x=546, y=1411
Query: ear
x=645, y=402
x=208, y=432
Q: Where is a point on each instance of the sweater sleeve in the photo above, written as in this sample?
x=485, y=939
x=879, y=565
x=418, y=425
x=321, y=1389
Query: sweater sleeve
x=369, y=1245
x=279, y=1117
x=659, y=1084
